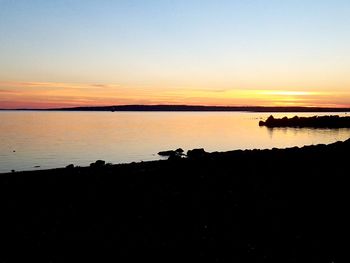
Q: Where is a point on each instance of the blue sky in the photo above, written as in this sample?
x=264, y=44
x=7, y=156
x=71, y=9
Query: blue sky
x=175, y=45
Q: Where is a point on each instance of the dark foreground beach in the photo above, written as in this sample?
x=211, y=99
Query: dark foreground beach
x=275, y=205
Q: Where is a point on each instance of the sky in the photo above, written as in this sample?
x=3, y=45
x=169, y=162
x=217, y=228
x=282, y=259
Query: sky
x=199, y=52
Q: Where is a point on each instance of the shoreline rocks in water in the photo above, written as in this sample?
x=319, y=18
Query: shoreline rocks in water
x=280, y=205
x=171, y=154
x=311, y=122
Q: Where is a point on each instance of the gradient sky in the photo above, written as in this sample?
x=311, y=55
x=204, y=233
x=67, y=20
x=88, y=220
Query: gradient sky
x=247, y=52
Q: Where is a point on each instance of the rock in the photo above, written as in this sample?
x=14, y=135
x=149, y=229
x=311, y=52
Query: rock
x=196, y=153
x=271, y=118
x=179, y=151
x=70, y=166
x=166, y=153
x=98, y=164
x=177, y=154
x=309, y=122
x=174, y=157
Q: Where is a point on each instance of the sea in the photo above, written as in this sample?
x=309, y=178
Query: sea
x=32, y=140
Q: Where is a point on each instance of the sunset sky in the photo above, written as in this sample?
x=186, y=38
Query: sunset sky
x=200, y=52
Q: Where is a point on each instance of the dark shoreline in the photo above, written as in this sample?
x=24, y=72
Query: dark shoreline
x=195, y=108
x=279, y=205
x=315, y=122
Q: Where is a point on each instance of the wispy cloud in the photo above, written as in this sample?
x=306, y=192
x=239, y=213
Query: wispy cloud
x=289, y=93
x=8, y=91
x=62, y=94
x=17, y=84
x=106, y=85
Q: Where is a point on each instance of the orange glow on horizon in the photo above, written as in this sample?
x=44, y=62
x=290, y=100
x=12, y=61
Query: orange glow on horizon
x=288, y=93
x=57, y=94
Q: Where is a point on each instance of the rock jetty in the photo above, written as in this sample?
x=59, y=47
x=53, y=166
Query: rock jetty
x=309, y=122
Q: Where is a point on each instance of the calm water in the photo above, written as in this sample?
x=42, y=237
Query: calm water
x=56, y=139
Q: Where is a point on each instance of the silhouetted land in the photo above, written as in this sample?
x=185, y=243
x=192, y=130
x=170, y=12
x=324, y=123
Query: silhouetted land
x=311, y=122
x=288, y=205
x=199, y=108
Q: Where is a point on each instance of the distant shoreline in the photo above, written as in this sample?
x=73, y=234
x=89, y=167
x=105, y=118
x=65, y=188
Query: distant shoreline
x=184, y=108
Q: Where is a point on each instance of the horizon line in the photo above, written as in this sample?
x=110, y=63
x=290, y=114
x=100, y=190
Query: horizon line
x=184, y=107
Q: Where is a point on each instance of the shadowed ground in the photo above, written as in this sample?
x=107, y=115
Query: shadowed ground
x=242, y=206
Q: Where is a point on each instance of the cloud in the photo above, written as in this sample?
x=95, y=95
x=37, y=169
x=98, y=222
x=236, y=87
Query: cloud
x=32, y=94
x=8, y=91
x=67, y=85
x=105, y=85
x=289, y=93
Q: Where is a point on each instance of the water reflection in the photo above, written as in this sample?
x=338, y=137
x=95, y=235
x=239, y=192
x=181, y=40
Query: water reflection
x=55, y=139
x=333, y=134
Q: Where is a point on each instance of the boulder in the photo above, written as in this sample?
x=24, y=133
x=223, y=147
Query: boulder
x=167, y=153
x=196, y=153
x=98, y=164
x=70, y=166
x=172, y=155
x=179, y=151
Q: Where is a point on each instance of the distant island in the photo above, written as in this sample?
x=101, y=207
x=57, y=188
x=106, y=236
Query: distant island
x=195, y=108
x=311, y=122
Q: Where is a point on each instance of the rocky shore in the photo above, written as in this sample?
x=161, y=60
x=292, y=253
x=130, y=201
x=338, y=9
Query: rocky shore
x=279, y=205
x=310, y=122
